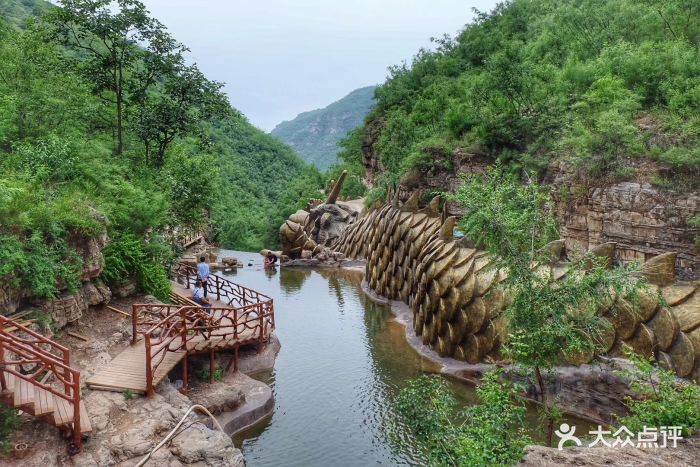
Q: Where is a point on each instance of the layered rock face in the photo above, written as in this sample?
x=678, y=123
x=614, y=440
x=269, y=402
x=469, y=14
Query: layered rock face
x=458, y=302
x=643, y=220
x=68, y=307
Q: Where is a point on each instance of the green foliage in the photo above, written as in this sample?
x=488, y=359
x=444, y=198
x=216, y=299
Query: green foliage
x=316, y=135
x=128, y=394
x=695, y=221
x=9, y=422
x=532, y=81
x=665, y=399
x=205, y=374
x=129, y=257
x=43, y=319
x=491, y=432
x=262, y=183
x=60, y=184
x=549, y=320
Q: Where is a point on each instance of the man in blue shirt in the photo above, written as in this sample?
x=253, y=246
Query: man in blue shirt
x=203, y=273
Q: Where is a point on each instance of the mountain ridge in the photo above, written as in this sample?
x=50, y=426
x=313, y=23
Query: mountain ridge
x=314, y=134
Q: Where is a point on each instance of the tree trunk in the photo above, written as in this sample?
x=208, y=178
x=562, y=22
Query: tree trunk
x=545, y=407
x=120, y=112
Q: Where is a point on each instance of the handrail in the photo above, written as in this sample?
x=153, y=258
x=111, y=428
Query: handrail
x=145, y=315
x=229, y=292
x=170, y=328
x=174, y=332
x=26, y=351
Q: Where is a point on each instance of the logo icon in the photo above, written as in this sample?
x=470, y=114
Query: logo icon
x=566, y=434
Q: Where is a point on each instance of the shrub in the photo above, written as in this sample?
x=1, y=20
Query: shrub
x=665, y=399
x=491, y=432
x=129, y=257
x=9, y=422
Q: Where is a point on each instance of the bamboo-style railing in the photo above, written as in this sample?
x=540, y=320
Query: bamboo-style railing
x=32, y=357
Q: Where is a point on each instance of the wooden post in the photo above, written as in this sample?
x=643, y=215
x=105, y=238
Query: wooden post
x=150, y=391
x=134, y=318
x=183, y=334
x=218, y=288
x=3, y=383
x=261, y=339
x=67, y=375
x=184, y=375
x=77, y=435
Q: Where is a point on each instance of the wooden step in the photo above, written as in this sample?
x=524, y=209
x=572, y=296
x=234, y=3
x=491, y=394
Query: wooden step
x=63, y=411
x=85, y=426
x=24, y=393
x=43, y=401
x=63, y=414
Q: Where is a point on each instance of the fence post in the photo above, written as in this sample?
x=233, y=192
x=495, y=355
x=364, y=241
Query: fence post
x=261, y=316
x=134, y=318
x=183, y=336
x=76, y=408
x=3, y=383
x=150, y=392
x=218, y=288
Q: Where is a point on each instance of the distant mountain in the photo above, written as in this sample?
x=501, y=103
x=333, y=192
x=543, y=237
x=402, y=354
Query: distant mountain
x=314, y=134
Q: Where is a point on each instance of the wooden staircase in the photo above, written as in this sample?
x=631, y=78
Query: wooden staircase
x=28, y=364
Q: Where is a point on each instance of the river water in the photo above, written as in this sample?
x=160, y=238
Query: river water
x=342, y=362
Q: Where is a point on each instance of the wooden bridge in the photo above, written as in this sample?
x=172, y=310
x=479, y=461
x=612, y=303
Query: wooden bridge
x=165, y=335
x=36, y=376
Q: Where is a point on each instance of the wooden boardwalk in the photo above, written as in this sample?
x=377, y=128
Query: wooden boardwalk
x=128, y=370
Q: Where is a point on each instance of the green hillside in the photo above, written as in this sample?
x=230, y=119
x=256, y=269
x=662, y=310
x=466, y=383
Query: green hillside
x=17, y=12
x=314, y=135
x=79, y=159
x=602, y=88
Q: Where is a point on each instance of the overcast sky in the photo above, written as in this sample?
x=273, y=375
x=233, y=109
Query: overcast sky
x=282, y=57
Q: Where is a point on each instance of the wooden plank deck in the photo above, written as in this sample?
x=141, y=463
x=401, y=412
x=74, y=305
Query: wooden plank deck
x=128, y=369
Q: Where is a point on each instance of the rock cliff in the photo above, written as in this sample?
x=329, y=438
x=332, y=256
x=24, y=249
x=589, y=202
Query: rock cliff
x=68, y=306
x=644, y=220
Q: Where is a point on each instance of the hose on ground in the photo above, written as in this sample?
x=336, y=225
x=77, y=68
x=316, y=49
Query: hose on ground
x=172, y=432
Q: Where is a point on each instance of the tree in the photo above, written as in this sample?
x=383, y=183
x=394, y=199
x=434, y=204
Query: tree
x=550, y=320
x=491, y=432
x=39, y=92
x=184, y=99
x=124, y=46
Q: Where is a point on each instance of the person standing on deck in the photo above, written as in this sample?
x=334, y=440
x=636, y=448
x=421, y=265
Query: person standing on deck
x=203, y=273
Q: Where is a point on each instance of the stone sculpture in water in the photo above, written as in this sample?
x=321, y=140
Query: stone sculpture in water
x=457, y=300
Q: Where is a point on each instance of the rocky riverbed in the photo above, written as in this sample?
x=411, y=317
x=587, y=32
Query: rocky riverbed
x=126, y=427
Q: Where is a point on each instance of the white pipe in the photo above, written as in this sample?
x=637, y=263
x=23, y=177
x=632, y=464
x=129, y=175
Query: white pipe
x=165, y=440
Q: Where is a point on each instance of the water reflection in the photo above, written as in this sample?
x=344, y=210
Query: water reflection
x=342, y=362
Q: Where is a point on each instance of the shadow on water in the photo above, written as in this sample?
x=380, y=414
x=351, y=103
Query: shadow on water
x=343, y=361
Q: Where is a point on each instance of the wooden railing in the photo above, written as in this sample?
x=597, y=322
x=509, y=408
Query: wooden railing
x=32, y=357
x=234, y=295
x=249, y=319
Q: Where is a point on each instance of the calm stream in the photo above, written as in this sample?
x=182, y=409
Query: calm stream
x=342, y=362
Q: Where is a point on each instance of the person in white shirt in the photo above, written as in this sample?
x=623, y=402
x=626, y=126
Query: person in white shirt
x=198, y=295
